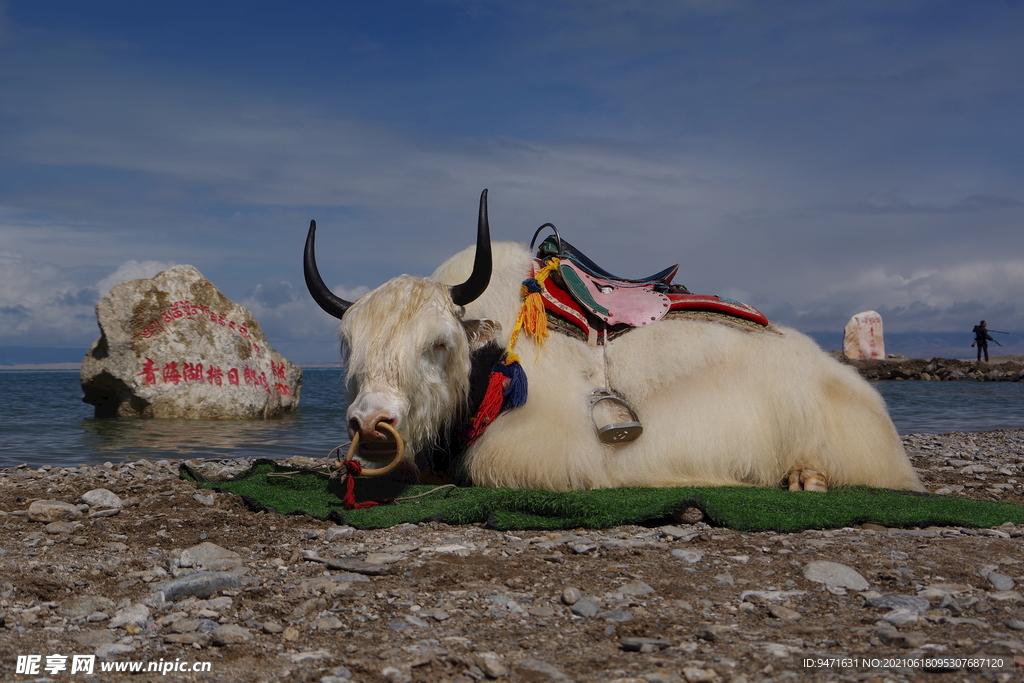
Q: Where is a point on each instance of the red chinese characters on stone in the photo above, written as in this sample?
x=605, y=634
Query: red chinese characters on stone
x=149, y=330
x=214, y=375
x=187, y=310
x=255, y=379
x=177, y=373
x=170, y=374
x=277, y=370
x=148, y=373
x=192, y=372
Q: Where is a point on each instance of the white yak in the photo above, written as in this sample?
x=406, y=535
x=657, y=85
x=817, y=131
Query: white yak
x=719, y=405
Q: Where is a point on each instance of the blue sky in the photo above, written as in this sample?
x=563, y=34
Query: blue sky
x=814, y=159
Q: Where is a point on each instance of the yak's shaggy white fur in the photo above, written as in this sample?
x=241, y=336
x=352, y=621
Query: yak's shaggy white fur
x=719, y=405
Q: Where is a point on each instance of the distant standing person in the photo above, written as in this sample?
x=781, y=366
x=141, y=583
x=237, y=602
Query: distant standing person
x=981, y=339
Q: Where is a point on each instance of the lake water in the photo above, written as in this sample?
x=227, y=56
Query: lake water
x=45, y=422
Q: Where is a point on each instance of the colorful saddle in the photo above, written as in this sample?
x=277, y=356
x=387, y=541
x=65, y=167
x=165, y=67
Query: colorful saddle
x=585, y=301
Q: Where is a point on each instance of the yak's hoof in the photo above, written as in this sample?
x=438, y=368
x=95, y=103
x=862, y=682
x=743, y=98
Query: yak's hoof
x=807, y=480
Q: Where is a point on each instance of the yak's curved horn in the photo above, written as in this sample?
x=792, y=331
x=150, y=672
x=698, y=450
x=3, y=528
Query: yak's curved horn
x=321, y=293
x=477, y=282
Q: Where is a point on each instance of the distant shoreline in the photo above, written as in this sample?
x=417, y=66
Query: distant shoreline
x=42, y=366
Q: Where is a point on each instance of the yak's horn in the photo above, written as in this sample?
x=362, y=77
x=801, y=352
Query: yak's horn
x=322, y=294
x=477, y=282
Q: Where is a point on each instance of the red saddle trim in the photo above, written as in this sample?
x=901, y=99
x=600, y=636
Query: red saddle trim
x=684, y=302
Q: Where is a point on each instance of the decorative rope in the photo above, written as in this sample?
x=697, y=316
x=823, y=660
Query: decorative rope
x=353, y=469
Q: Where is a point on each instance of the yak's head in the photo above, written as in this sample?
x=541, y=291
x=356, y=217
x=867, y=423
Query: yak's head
x=407, y=347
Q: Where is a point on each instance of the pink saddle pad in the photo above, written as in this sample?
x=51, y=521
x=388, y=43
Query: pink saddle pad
x=614, y=302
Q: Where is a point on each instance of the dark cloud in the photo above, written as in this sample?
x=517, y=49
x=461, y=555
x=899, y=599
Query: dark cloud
x=273, y=293
x=83, y=297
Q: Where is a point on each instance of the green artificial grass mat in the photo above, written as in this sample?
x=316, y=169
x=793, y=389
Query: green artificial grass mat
x=743, y=508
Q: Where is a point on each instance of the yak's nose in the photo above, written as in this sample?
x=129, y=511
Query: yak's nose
x=366, y=426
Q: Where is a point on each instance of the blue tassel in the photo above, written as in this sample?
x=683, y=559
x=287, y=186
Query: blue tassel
x=516, y=392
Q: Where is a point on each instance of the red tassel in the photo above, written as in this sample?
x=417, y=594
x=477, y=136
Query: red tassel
x=354, y=469
x=490, y=408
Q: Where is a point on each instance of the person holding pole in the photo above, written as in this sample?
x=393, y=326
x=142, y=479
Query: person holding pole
x=981, y=339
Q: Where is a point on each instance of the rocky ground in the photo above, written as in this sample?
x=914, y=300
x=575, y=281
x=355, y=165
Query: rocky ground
x=157, y=572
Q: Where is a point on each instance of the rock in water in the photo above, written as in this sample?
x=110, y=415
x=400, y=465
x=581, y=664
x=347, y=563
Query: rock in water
x=863, y=337
x=176, y=347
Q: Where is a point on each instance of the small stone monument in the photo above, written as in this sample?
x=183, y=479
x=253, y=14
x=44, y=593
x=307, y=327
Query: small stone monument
x=863, y=338
x=176, y=347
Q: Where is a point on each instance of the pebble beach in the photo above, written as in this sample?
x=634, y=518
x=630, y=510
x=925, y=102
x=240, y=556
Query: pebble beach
x=128, y=565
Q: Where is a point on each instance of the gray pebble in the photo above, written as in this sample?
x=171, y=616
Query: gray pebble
x=229, y=634
x=200, y=585
x=537, y=668
x=783, y=612
x=491, y=664
x=336, y=532
x=84, y=605
x=691, y=556
x=102, y=498
x=207, y=625
x=207, y=499
x=350, y=577
x=643, y=644
x=835, y=575
x=570, y=596
x=638, y=588
x=52, y=511
x=329, y=623
x=133, y=614
x=619, y=616
x=1001, y=582
x=211, y=557
x=901, y=617
x=909, y=602
x=114, y=650
x=585, y=607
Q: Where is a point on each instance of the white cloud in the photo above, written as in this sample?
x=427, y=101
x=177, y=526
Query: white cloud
x=132, y=270
x=40, y=307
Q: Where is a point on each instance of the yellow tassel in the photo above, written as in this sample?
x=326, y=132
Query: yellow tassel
x=532, y=318
x=535, y=320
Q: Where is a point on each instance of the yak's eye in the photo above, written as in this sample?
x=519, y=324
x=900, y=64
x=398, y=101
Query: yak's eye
x=440, y=346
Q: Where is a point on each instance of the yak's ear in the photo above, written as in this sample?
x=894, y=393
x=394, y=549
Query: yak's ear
x=481, y=331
